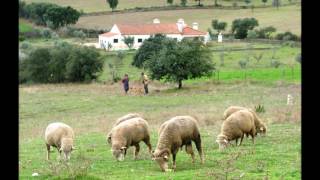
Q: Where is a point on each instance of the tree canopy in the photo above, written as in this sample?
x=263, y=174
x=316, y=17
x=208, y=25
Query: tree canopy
x=177, y=61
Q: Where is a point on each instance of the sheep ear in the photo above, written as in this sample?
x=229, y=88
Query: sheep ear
x=165, y=157
x=261, y=129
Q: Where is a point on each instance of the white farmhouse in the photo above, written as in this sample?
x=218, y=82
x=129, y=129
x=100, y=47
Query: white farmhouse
x=140, y=32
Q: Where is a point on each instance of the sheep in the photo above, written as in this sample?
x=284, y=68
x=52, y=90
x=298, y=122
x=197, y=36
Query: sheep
x=129, y=133
x=235, y=126
x=120, y=120
x=260, y=126
x=61, y=136
x=173, y=134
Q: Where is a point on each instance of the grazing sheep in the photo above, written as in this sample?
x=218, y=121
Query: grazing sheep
x=235, y=126
x=61, y=136
x=173, y=134
x=120, y=120
x=129, y=133
x=260, y=126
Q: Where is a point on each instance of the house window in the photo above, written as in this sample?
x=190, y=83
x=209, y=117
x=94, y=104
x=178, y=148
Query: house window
x=115, y=40
x=139, y=40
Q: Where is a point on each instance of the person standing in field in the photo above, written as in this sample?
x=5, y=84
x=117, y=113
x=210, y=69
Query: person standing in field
x=145, y=82
x=125, y=82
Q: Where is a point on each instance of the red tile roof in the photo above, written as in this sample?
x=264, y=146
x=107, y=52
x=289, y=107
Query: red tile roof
x=148, y=29
x=108, y=34
x=189, y=31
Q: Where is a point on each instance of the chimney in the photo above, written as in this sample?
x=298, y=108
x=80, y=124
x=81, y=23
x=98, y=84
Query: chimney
x=195, y=26
x=180, y=24
x=156, y=21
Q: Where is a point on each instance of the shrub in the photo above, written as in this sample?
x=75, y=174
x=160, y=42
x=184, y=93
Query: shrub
x=83, y=64
x=46, y=33
x=79, y=34
x=240, y=27
x=265, y=33
x=24, y=45
x=287, y=36
x=275, y=63
x=62, y=63
x=298, y=58
x=183, y=2
x=243, y=64
x=259, y=108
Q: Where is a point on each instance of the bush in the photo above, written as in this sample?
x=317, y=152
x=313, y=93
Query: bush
x=183, y=2
x=264, y=33
x=287, y=36
x=240, y=27
x=275, y=63
x=62, y=63
x=252, y=34
x=46, y=33
x=24, y=45
x=79, y=34
x=243, y=64
x=83, y=64
x=298, y=58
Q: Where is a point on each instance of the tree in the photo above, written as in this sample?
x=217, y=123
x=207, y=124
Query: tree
x=149, y=47
x=178, y=61
x=216, y=3
x=37, y=65
x=199, y=2
x=219, y=26
x=129, y=41
x=113, y=4
x=247, y=2
x=276, y=3
x=183, y=2
x=240, y=27
x=83, y=64
x=170, y=2
x=264, y=1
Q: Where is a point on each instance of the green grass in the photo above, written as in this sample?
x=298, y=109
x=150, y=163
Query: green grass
x=101, y=5
x=285, y=19
x=277, y=156
x=25, y=26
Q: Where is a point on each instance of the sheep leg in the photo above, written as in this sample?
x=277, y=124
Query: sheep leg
x=199, y=148
x=48, y=151
x=174, y=161
x=241, y=139
x=190, y=151
x=147, y=142
x=237, y=141
x=136, y=151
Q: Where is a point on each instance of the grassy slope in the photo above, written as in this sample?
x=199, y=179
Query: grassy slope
x=92, y=108
x=231, y=71
x=284, y=19
x=101, y=5
x=25, y=26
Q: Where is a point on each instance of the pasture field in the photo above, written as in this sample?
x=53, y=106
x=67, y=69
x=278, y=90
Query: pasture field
x=261, y=71
x=101, y=5
x=25, y=26
x=92, y=108
x=287, y=18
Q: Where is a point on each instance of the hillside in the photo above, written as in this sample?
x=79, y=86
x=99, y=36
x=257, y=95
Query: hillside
x=285, y=19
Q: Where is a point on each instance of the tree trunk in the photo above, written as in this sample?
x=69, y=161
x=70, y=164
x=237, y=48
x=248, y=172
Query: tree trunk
x=199, y=3
x=180, y=84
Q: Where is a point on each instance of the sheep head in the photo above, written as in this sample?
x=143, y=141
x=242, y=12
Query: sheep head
x=66, y=147
x=223, y=142
x=162, y=158
x=119, y=152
